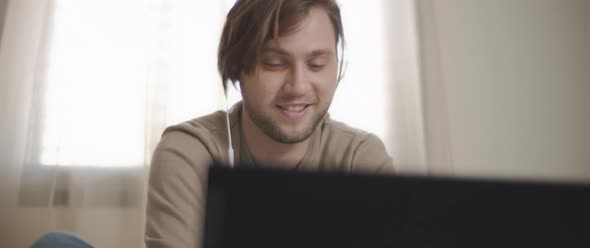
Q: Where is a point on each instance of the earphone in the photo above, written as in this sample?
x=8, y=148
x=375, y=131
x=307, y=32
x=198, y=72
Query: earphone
x=230, y=150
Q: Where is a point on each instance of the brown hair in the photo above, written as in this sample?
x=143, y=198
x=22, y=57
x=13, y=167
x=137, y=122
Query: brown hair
x=251, y=23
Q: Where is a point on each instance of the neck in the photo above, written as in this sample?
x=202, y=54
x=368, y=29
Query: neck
x=266, y=151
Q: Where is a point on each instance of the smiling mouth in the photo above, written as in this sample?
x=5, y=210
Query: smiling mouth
x=293, y=112
x=293, y=108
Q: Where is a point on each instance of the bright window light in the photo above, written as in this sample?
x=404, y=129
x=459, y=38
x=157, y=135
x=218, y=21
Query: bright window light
x=95, y=97
x=113, y=64
x=360, y=99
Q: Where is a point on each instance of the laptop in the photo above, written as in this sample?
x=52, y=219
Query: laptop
x=249, y=207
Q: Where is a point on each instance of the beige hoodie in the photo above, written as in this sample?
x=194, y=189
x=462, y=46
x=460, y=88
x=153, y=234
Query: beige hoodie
x=178, y=175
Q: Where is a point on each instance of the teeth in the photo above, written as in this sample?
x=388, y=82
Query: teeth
x=294, y=107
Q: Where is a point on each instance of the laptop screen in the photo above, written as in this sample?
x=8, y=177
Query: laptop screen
x=274, y=208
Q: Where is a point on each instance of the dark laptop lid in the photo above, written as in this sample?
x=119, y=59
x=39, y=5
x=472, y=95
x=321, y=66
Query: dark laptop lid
x=272, y=208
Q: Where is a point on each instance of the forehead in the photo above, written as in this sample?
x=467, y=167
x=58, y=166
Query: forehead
x=315, y=32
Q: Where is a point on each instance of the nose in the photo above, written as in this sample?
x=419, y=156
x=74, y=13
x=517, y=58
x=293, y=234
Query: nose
x=298, y=82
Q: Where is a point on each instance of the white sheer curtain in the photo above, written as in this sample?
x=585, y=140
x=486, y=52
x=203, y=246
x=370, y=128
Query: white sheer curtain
x=87, y=88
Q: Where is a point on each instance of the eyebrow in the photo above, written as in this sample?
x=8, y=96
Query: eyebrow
x=313, y=54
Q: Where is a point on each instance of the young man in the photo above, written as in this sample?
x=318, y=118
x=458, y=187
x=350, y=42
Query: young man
x=283, y=54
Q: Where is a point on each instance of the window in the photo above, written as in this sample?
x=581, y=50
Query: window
x=120, y=71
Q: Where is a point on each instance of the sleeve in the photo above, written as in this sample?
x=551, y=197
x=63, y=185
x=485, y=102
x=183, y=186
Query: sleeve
x=371, y=157
x=175, y=201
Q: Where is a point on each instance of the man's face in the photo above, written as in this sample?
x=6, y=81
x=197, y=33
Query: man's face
x=295, y=81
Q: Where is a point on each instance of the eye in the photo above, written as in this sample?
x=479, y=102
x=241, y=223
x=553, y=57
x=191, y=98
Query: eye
x=315, y=66
x=274, y=65
x=317, y=63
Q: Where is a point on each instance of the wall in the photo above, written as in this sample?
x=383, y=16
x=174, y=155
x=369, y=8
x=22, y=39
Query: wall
x=3, y=5
x=506, y=86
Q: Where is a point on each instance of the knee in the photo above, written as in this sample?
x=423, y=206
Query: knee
x=60, y=239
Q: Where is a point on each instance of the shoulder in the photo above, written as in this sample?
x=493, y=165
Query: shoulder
x=362, y=150
x=338, y=132
x=198, y=127
x=195, y=141
x=206, y=130
x=185, y=151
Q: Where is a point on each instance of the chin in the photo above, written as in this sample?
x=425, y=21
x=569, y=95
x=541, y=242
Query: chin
x=290, y=136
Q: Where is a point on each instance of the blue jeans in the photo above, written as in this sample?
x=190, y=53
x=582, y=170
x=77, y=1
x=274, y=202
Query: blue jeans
x=60, y=239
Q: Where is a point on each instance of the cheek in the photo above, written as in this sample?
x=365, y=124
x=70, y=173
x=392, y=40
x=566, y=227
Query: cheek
x=326, y=81
x=262, y=88
x=248, y=87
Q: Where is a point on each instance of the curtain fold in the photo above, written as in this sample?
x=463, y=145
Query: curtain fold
x=19, y=53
